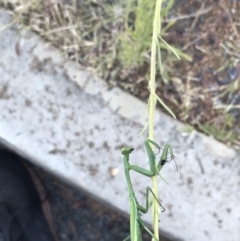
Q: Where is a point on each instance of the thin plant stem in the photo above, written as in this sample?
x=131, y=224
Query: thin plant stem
x=152, y=105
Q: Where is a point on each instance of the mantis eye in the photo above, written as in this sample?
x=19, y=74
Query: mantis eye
x=163, y=162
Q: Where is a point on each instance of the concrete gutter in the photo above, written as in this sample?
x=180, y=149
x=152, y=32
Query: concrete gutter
x=57, y=115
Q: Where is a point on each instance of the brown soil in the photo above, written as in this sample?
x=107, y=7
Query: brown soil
x=203, y=38
x=202, y=91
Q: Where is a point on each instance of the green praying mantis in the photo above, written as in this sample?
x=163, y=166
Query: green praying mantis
x=136, y=222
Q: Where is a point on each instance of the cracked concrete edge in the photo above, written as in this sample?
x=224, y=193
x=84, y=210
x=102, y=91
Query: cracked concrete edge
x=94, y=85
x=204, y=195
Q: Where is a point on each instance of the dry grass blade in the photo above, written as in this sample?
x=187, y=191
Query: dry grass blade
x=86, y=33
x=181, y=17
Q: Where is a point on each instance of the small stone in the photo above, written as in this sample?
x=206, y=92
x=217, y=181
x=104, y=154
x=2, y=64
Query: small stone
x=113, y=171
x=232, y=73
x=199, y=77
x=224, y=81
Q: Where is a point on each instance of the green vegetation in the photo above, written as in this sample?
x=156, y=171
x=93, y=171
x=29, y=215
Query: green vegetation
x=135, y=41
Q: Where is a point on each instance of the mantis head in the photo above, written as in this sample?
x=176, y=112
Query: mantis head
x=126, y=150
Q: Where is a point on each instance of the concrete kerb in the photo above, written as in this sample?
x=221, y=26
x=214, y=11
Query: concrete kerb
x=58, y=115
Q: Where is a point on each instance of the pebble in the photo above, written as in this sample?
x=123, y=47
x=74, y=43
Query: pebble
x=232, y=73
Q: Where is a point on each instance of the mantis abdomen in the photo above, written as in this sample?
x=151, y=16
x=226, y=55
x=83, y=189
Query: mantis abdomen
x=135, y=228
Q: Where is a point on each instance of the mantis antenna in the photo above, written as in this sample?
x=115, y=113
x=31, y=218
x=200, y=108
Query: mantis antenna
x=118, y=137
